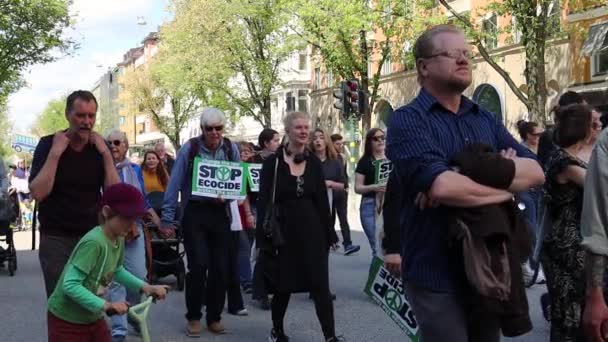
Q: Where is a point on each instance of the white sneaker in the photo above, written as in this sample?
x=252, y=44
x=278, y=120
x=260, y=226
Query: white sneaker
x=527, y=272
x=540, y=279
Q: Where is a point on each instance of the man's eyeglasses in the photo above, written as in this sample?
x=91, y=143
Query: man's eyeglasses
x=453, y=54
x=114, y=142
x=214, y=128
x=537, y=134
x=378, y=138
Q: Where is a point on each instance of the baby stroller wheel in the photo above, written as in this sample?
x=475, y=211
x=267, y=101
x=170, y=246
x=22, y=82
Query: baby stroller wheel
x=181, y=278
x=12, y=266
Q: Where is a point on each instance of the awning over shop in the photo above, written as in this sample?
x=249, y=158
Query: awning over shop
x=597, y=40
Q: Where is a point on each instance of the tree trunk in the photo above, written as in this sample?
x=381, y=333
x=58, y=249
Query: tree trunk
x=366, y=118
x=535, y=75
x=266, y=114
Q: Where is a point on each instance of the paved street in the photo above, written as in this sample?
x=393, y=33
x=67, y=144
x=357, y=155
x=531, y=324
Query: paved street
x=359, y=319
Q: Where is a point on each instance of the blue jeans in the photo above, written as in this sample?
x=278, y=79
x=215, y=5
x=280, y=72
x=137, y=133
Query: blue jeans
x=367, y=212
x=244, y=256
x=134, y=262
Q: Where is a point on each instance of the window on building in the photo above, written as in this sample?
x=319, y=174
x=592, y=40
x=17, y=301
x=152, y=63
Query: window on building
x=290, y=102
x=141, y=128
x=317, y=78
x=516, y=31
x=596, y=47
x=554, y=17
x=487, y=96
x=330, y=79
x=303, y=100
x=387, y=67
x=599, y=64
x=490, y=28
x=303, y=61
x=122, y=120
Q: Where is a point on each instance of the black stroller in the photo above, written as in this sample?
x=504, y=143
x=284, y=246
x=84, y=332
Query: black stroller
x=167, y=255
x=9, y=254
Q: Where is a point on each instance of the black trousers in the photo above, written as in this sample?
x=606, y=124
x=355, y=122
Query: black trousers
x=235, y=297
x=340, y=207
x=324, y=307
x=53, y=253
x=206, y=240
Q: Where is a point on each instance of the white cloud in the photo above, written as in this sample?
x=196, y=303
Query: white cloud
x=90, y=13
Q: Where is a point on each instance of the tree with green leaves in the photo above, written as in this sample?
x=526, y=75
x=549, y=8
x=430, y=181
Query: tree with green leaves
x=31, y=32
x=51, y=119
x=5, y=130
x=538, y=22
x=155, y=89
x=350, y=35
x=233, y=49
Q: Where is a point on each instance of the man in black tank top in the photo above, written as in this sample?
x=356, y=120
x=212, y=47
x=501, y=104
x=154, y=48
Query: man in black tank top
x=69, y=170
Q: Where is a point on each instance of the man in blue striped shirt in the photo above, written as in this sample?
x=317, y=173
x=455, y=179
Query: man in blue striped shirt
x=423, y=137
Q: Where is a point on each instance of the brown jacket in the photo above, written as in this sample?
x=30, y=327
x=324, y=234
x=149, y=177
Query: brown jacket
x=494, y=241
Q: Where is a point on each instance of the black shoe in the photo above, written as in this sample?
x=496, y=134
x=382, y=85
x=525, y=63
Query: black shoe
x=277, y=336
x=333, y=296
x=336, y=339
x=545, y=304
x=351, y=249
x=264, y=304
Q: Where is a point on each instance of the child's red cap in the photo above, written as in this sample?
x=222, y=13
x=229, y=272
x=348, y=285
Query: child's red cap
x=125, y=200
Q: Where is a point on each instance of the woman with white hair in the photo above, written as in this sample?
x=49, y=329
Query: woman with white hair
x=205, y=224
x=135, y=249
x=294, y=252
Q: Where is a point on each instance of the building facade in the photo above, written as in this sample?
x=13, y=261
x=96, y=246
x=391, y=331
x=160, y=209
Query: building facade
x=106, y=91
x=589, y=57
x=139, y=126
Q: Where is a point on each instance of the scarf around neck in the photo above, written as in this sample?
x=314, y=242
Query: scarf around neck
x=129, y=175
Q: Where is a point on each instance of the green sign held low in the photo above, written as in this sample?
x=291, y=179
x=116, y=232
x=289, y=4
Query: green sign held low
x=388, y=292
x=218, y=178
x=382, y=169
x=253, y=176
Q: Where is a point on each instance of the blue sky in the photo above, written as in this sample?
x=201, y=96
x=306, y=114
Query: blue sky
x=106, y=30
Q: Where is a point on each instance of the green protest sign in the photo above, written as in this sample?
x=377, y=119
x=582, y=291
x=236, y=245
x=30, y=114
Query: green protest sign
x=218, y=178
x=388, y=292
x=253, y=176
x=382, y=169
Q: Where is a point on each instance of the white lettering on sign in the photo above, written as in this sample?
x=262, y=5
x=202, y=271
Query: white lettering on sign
x=214, y=178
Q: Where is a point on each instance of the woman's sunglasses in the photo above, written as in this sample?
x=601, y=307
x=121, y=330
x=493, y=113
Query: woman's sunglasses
x=596, y=126
x=378, y=138
x=214, y=128
x=114, y=142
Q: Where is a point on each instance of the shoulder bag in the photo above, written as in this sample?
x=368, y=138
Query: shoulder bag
x=271, y=226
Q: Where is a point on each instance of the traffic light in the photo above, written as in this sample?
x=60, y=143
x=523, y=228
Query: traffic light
x=341, y=104
x=351, y=94
x=363, y=104
x=352, y=100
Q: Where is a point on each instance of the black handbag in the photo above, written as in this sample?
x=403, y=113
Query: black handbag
x=271, y=226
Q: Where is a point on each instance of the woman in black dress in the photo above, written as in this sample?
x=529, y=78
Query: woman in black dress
x=300, y=264
x=563, y=256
